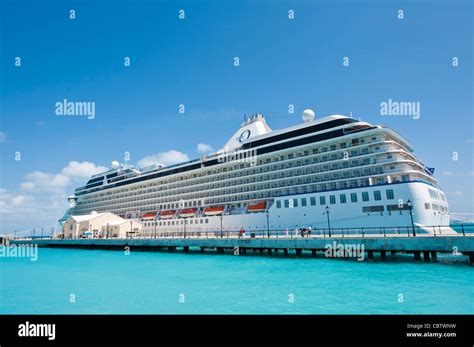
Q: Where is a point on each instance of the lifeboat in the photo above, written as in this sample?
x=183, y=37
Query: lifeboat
x=167, y=214
x=188, y=212
x=257, y=207
x=214, y=210
x=148, y=216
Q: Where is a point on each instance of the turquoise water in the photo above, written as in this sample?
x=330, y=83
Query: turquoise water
x=148, y=282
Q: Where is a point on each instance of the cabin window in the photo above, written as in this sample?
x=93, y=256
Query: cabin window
x=303, y=202
x=278, y=203
x=390, y=195
x=365, y=196
x=342, y=198
x=322, y=200
x=353, y=197
x=368, y=209
x=312, y=201
x=332, y=199
x=377, y=195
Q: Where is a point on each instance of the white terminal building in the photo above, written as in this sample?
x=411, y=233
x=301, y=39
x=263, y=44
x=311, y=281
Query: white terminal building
x=358, y=174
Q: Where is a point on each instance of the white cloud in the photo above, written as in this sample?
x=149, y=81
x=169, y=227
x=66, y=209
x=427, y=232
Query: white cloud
x=204, y=148
x=164, y=158
x=39, y=181
x=45, y=182
x=82, y=171
x=3, y=136
x=9, y=203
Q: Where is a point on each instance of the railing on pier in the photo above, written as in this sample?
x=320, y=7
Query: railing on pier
x=406, y=231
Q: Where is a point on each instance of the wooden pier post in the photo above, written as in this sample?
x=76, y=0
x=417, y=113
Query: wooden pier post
x=298, y=252
x=313, y=252
x=186, y=249
x=269, y=250
x=202, y=249
x=285, y=251
x=417, y=255
x=471, y=258
x=370, y=255
x=383, y=255
x=393, y=252
x=426, y=255
x=433, y=255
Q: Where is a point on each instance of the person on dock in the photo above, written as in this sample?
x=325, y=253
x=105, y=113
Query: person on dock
x=309, y=231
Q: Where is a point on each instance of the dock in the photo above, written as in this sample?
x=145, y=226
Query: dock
x=421, y=247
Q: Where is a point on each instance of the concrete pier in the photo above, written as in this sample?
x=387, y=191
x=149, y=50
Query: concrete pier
x=428, y=245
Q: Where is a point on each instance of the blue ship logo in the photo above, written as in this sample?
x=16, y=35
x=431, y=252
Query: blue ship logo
x=244, y=136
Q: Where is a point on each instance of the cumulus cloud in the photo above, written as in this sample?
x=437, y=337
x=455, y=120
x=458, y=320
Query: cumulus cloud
x=9, y=203
x=45, y=182
x=81, y=171
x=163, y=158
x=204, y=148
x=42, y=200
x=40, y=181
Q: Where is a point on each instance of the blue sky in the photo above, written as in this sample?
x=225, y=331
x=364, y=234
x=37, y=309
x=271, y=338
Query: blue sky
x=190, y=62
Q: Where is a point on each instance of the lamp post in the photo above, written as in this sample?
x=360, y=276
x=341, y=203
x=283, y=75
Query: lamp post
x=222, y=216
x=131, y=228
x=154, y=233
x=268, y=224
x=184, y=227
x=329, y=224
x=410, y=208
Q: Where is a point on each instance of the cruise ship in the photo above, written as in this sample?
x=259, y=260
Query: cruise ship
x=329, y=172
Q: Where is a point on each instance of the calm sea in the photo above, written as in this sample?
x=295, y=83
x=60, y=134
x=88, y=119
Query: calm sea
x=96, y=281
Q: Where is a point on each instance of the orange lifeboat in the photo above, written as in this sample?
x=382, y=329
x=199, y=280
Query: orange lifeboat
x=214, y=210
x=167, y=214
x=148, y=216
x=257, y=207
x=188, y=212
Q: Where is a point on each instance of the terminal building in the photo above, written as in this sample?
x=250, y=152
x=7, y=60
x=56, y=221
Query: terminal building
x=99, y=225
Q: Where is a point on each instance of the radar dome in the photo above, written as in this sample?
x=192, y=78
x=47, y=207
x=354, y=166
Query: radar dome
x=115, y=164
x=308, y=115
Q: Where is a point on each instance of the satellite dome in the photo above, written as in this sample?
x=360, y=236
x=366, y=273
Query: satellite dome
x=115, y=164
x=308, y=115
